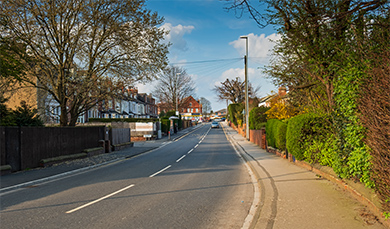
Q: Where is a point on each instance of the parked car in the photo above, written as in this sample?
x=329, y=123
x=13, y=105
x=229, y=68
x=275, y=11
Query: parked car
x=214, y=124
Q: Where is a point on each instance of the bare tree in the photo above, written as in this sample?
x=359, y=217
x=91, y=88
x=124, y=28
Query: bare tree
x=85, y=50
x=234, y=90
x=206, y=105
x=174, y=85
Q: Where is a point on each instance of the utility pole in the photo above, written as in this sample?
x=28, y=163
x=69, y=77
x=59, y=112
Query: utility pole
x=177, y=94
x=246, y=88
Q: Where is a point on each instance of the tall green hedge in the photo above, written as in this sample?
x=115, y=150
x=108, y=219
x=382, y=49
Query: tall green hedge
x=257, y=117
x=309, y=137
x=276, y=133
x=235, y=113
x=280, y=135
x=165, y=122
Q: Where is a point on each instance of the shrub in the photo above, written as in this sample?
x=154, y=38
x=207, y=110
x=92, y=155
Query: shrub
x=235, y=113
x=165, y=122
x=302, y=130
x=257, y=118
x=24, y=115
x=280, y=135
x=270, y=132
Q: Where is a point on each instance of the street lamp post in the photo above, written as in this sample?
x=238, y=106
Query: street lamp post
x=177, y=99
x=246, y=88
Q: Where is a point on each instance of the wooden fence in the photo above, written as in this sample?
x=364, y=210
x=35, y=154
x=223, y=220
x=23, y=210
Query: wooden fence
x=25, y=147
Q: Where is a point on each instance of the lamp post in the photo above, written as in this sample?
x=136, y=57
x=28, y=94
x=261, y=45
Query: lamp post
x=177, y=100
x=246, y=87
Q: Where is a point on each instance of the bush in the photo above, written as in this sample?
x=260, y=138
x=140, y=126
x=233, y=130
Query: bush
x=24, y=115
x=165, y=122
x=270, y=132
x=257, y=118
x=276, y=133
x=235, y=113
x=280, y=135
x=309, y=137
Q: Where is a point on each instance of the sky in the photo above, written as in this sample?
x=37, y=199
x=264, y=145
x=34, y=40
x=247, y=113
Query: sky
x=206, y=42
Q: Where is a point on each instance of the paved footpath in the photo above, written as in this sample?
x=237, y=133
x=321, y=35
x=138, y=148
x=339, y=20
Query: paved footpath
x=293, y=197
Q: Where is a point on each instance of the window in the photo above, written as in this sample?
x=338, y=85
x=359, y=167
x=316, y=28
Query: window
x=190, y=104
x=188, y=110
x=192, y=110
x=197, y=110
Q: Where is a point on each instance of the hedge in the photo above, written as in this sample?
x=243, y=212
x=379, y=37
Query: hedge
x=280, y=135
x=165, y=122
x=276, y=133
x=235, y=113
x=306, y=132
x=257, y=117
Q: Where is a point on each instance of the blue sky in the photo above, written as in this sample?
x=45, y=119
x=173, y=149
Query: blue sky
x=202, y=30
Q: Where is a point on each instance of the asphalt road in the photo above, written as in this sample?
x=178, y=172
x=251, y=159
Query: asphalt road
x=198, y=181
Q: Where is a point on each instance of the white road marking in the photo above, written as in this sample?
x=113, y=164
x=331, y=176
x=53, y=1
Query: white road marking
x=190, y=151
x=196, y=146
x=100, y=199
x=162, y=170
x=181, y=158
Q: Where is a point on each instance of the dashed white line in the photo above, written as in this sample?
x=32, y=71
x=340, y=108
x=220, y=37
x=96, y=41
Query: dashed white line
x=181, y=158
x=162, y=170
x=190, y=151
x=196, y=146
x=100, y=199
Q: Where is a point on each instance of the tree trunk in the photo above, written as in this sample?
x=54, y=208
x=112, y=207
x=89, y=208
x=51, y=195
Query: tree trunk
x=64, y=115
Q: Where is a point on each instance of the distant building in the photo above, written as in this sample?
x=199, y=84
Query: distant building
x=191, y=109
x=221, y=113
x=266, y=101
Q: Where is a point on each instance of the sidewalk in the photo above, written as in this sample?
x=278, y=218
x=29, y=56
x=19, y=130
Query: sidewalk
x=293, y=197
x=30, y=177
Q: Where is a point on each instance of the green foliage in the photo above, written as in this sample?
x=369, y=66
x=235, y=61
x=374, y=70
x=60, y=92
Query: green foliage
x=24, y=115
x=165, y=122
x=302, y=131
x=6, y=115
x=280, y=131
x=235, y=113
x=170, y=113
x=257, y=118
x=276, y=133
x=322, y=150
x=270, y=132
x=353, y=153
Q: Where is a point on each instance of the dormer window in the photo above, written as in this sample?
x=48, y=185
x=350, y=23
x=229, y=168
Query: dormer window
x=190, y=104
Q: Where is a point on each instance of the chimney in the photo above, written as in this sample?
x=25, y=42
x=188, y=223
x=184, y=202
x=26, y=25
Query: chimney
x=282, y=91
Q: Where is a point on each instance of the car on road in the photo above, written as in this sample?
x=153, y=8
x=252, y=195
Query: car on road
x=214, y=124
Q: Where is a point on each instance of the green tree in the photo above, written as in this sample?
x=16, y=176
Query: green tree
x=258, y=117
x=25, y=115
x=6, y=115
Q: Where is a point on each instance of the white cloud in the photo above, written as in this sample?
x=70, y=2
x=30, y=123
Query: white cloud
x=259, y=46
x=176, y=34
x=233, y=73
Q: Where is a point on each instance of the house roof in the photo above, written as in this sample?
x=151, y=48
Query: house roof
x=221, y=111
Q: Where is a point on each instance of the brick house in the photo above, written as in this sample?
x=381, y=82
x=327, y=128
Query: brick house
x=191, y=109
